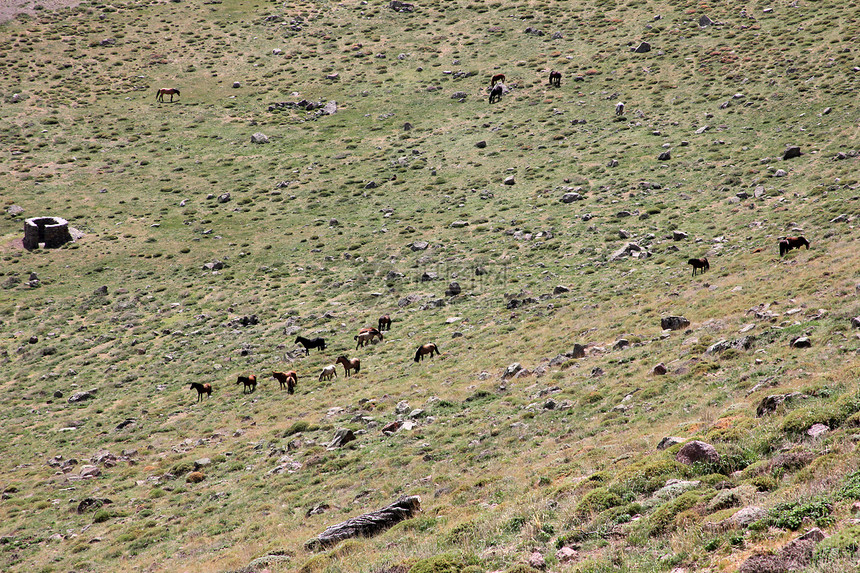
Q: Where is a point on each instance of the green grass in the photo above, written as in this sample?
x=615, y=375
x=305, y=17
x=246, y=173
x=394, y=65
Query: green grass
x=500, y=473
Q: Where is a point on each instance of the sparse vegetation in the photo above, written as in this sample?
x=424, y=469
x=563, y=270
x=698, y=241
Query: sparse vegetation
x=204, y=255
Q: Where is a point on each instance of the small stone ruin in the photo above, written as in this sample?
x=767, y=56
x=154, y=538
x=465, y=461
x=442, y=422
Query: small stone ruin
x=50, y=232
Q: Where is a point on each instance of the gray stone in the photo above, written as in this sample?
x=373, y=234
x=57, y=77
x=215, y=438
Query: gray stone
x=341, y=437
x=481, y=144
x=453, y=289
x=419, y=245
x=748, y=515
x=800, y=342
x=817, y=430
x=509, y=180
x=669, y=441
x=659, y=369
x=80, y=397
x=675, y=487
x=571, y=197
x=674, y=323
x=512, y=370
x=780, y=173
x=697, y=451
x=642, y=48
x=259, y=138
x=769, y=404
x=791, y=152
x=560, y=289
x=665, y=156
x=90, y=471
x=224, y=198
x=459, y=224
x=855, y=322
x=14, y=210
x=704, y=21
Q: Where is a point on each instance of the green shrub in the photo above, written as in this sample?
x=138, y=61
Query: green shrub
x=521, y=568
x=845, y=543
x=597, y=500
x=763, y=482
x=851, y=489
x=446, y=563
x=790, y=515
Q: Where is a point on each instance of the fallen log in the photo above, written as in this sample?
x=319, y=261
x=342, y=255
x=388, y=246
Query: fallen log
x=367, y=524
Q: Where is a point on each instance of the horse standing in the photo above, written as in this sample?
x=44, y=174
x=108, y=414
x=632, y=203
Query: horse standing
x=789, y=243
x=287, y=379
x=328, y=372
x=366, y=336
x=496, y=93
x=384, y=323
x=309, y=343
x=201, y=389
x=426, y=349
x=619, y=108
x=159, y=95
x=349, y=365
x=555, y=79
x=249, y=383
x=497, y=79
x=699, y=264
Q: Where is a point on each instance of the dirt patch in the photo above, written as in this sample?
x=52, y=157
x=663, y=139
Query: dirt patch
x=9, y=9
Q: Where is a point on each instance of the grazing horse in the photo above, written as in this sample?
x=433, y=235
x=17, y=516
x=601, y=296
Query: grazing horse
x=349, y=365
x=789, y=243
x=309, y=343
x=426, y=349
x=497, y=79
x=159, y=95
x=619, y=108
x=287, y=379
x=366, y=336
x=201, y=389
x=384, y=323
x=699, y=264
x=328, y=372
x=555, y=79
x=496, y=93
x=250, y=383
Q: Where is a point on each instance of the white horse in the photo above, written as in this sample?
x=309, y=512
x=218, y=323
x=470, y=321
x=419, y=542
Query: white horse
x=328, y=372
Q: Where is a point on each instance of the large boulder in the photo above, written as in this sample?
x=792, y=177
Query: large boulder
x=674, y=323
x=697, y=451
x=769, y=404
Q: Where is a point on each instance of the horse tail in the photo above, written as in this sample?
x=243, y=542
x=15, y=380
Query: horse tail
x=358, y=367
x=436, y=348
x=417, y=354
x=355, y=337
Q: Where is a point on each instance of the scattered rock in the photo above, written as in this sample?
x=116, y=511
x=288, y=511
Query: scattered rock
x=341, y=437
x=678, y=235
x=659, y=369
x=399, y=6
x=669, y=441
x=769, y=404
x=453, y=289
x=509, y=180
x=566, y=554
x=571, y=197
x=259, y=138
x=236, y=85
x=704, y=21
x=537, y=561
x=697, y=451
x=855, y=322
x=89, y=471
x=213, y=266
x=791, y=152
x=674, y=323
x=91, y=504
x=511, y=370
x=419, y=246
x=800, y=342
x=642, y=48
x=817, y=430
x=195, y=477
x=560, y=289
x=14, y=210
x=621, y=343
x=81, y=396
x=780, y=173
x=481, y=144
x=665, y=156
x=224, y=197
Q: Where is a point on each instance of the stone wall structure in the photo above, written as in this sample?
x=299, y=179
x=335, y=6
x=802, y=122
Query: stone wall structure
x=52, y=231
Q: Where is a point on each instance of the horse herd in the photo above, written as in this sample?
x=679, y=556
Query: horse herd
x=497, y=84
x=289, y=380
x=785, y=244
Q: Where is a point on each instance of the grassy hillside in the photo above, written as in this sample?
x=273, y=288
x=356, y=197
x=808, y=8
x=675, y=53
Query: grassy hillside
x=375, y=210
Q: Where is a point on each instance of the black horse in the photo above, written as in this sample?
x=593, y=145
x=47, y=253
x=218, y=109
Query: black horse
x=699, y=264
x=309, y=343
x=201, y=389
x=555, y=79
x=496, y=93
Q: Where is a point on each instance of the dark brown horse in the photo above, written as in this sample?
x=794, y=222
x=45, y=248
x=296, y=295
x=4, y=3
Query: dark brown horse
x=309, y=343
x=699, y=264
x=429, y=348
x=250, y=383
x=789, y=243
x=201, y=389
x=497, y=79
x=159, y=95
x=496, y=93
x=287, y=379
x=349, y=365
x=366, y=336
x=555, y=79
x=384, y=323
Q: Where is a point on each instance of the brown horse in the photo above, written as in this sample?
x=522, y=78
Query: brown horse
x=201, y=389
x=699, y=264
x=789, y=243
x=249, y=383
x=287, y=379
x=384, y=323
x=555, y=79
x=159, y=95
x=349, y=365
x=426, y=349
x=496, y=93
x=366, y=336
x=497, y=79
